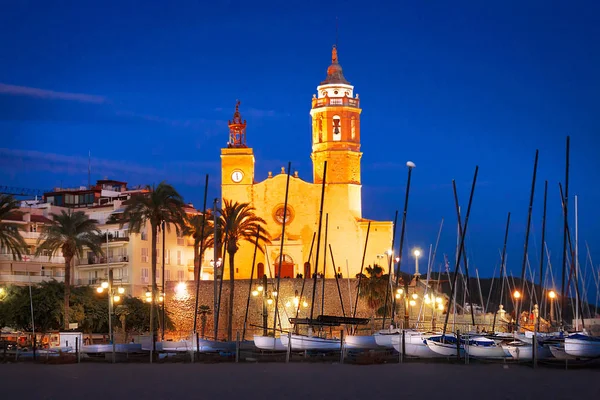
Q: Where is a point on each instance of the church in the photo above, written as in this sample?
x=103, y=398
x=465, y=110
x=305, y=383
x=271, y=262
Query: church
x=335, y=112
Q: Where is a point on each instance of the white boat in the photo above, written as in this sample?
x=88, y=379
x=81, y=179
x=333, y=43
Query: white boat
x=445, y=349
x=269, y=343
x=524, y=351
x=302, y=342
x=584, y=346
x=558, y=352
x=482, y=347
x=360, y=342
x=414, y=345
x=383, y=338
x=119, y=348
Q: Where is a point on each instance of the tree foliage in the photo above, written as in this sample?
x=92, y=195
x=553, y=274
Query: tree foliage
x=88, y=308
x=70, y=232
x=373, y=287
x=10, y=233
x=240, y=223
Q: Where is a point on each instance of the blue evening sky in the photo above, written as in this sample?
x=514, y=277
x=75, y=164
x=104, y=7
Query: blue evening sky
x=148, y=87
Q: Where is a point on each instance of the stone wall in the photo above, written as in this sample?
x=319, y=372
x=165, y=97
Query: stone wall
x=180, y=304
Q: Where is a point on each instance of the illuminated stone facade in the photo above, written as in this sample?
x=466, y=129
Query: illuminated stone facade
x=336, y=134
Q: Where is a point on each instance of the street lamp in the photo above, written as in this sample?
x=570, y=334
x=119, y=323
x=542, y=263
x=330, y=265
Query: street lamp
x=417, y=254
x=552, y=296
x=215, y=266
x=517, y=295
x=113, y=297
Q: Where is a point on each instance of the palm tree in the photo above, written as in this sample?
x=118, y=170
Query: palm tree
x=373, y=288
x=203, y=310
x=194, y=228
x=10, y=237
x=162, y=204
x=240, y=223
x=70, y=232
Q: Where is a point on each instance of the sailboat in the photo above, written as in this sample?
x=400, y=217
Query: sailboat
x=582, y=345
x=415, y=345
x=269, y=343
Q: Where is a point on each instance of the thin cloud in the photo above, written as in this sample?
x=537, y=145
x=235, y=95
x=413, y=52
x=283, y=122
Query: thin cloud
x=251, y=112
x=191, y=173
x=50, y=94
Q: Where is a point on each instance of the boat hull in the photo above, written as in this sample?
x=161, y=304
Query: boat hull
x=525, y=352
x=558, y=352
x=583, y=348
x=301, y=342
x=384, y=339
x=493, y=351
x=360, y=342
x=415, y=346
x=444, y=349
x=269, y=343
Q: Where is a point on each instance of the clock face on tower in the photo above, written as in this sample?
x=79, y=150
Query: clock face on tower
x=237, y=176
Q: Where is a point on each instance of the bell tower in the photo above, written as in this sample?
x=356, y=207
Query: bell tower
x=237, y=161
x=335, y=116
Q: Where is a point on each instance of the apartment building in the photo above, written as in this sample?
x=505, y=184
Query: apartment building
x=127, y=255
x=31, y=268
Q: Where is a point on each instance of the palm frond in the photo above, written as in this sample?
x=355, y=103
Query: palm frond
x=10, y=235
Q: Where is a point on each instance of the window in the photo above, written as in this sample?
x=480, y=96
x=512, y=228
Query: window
x=180, y=275
x=179, y=257
x=180, y=240
x=145, y=255
x=278, y=214
x=158, y=259
x=145, y=278
x=167, y=256
x=337, y=128
x=167, y=275
x=144, y=235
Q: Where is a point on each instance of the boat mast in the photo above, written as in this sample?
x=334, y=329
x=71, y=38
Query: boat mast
x=324, y=264
x=502, y=268
x=312, y=243
x=337, y=281
x=576, y=268
x=197, y=267
x=526, y=246
x=410, y=166
x=467, y=284
x=462, y=243
x=541, y=286
x=314, y=288
x=572, y=253
x=565, y=200
x=390, y=263
x=283, y=224
x=250, y=285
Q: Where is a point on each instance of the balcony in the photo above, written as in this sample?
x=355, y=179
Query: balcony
x=98, y=281
x=35, y=259
x=103, y=260
x=26, y=279
x=336, y=101
x=30, y=235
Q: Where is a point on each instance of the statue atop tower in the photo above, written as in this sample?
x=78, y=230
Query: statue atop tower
x=237, y=129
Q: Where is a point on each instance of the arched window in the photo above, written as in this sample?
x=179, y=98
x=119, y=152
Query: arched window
x=337, y=128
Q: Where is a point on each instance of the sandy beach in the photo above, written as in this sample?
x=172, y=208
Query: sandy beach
x=293, y=381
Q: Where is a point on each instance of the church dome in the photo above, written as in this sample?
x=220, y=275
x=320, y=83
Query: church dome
x=335, y=74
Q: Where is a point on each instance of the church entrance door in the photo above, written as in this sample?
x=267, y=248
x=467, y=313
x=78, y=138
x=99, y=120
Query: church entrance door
x=287, y=269
x=260, y=270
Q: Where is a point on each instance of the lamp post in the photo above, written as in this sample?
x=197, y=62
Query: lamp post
x=551, y=296
x=215, y=266
x=417, y=254
x=114, y=296
x=517, y=297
